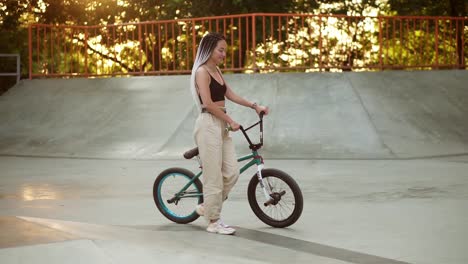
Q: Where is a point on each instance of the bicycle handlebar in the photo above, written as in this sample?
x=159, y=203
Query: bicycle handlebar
x=244, y=131
x=262, y=113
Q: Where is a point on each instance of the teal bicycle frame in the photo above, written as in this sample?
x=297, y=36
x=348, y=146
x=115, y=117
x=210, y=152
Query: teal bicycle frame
x=254, y=157
x=255, y=160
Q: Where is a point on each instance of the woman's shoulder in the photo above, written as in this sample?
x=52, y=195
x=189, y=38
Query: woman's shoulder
x=202, y=72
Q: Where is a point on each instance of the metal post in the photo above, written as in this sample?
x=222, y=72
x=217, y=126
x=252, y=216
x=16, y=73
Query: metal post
x=18, y=68
x=380, y=44
x=254, y=44
x=30, y=51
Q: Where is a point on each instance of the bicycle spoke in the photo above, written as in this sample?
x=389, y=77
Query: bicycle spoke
x=184, y=206
x=284, y=208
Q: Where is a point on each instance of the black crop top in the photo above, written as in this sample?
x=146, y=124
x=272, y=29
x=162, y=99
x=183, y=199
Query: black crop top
x=217, y=90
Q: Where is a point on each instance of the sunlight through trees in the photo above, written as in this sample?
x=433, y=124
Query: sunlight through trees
x=310, y=35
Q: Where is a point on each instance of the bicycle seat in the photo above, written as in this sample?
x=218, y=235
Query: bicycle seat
x=191, y=153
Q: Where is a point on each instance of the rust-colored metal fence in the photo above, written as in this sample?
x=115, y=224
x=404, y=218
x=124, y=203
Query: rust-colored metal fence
x=256, y=43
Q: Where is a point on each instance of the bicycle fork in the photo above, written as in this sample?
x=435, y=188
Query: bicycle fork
x=265, y=186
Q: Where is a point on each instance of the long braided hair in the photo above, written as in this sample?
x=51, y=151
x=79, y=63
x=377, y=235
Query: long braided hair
x=204, y=51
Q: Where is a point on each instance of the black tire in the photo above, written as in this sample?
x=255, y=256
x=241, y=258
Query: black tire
x=279, y=181
x=182, y=211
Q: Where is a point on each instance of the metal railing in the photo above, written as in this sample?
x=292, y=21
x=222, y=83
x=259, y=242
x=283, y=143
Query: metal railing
x=256, y=43
x=18, y=67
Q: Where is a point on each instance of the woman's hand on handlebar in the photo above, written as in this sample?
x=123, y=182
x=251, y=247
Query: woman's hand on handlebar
x=233, y=126
x=263, y=109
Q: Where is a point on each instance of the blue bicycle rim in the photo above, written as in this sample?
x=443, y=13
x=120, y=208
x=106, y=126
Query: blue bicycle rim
x=163, y=203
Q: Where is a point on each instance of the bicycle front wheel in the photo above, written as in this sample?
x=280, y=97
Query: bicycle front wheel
x=286, y=201
x=175, y=204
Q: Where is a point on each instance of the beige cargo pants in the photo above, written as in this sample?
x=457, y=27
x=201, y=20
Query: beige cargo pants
x=219, y=162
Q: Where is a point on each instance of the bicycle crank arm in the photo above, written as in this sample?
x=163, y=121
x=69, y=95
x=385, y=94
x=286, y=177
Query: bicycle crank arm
x=177, y=197
x=274, y=198
x=173, y=199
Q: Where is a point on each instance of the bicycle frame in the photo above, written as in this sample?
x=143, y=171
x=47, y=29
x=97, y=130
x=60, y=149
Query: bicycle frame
x=254, y=157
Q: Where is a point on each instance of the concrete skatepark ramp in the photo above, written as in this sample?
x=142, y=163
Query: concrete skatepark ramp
x=79, y=158
x=368, y=115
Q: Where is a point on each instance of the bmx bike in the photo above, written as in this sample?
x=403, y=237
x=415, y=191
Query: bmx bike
x=273, y=195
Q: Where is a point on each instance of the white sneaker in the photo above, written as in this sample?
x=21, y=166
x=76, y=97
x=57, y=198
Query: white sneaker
x=218, y=228
x=223, y=224
x=200, y=209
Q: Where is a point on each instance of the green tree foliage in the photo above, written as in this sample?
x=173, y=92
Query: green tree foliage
x=454, y=8
x=13, y=37
x=204, y=8
x=307, y=42
x=430, y=7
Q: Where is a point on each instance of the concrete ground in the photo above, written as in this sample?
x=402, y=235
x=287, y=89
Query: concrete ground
x=78, y=164
x=361, y=211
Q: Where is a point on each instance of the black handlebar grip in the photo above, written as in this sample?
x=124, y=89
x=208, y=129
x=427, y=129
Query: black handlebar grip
x=262, y=113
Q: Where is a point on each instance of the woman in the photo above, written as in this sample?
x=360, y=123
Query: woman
x=217, y=154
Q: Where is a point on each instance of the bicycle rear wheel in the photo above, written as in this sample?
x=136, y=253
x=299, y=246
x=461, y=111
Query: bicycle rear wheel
x=287, y=204
x=177, y=208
